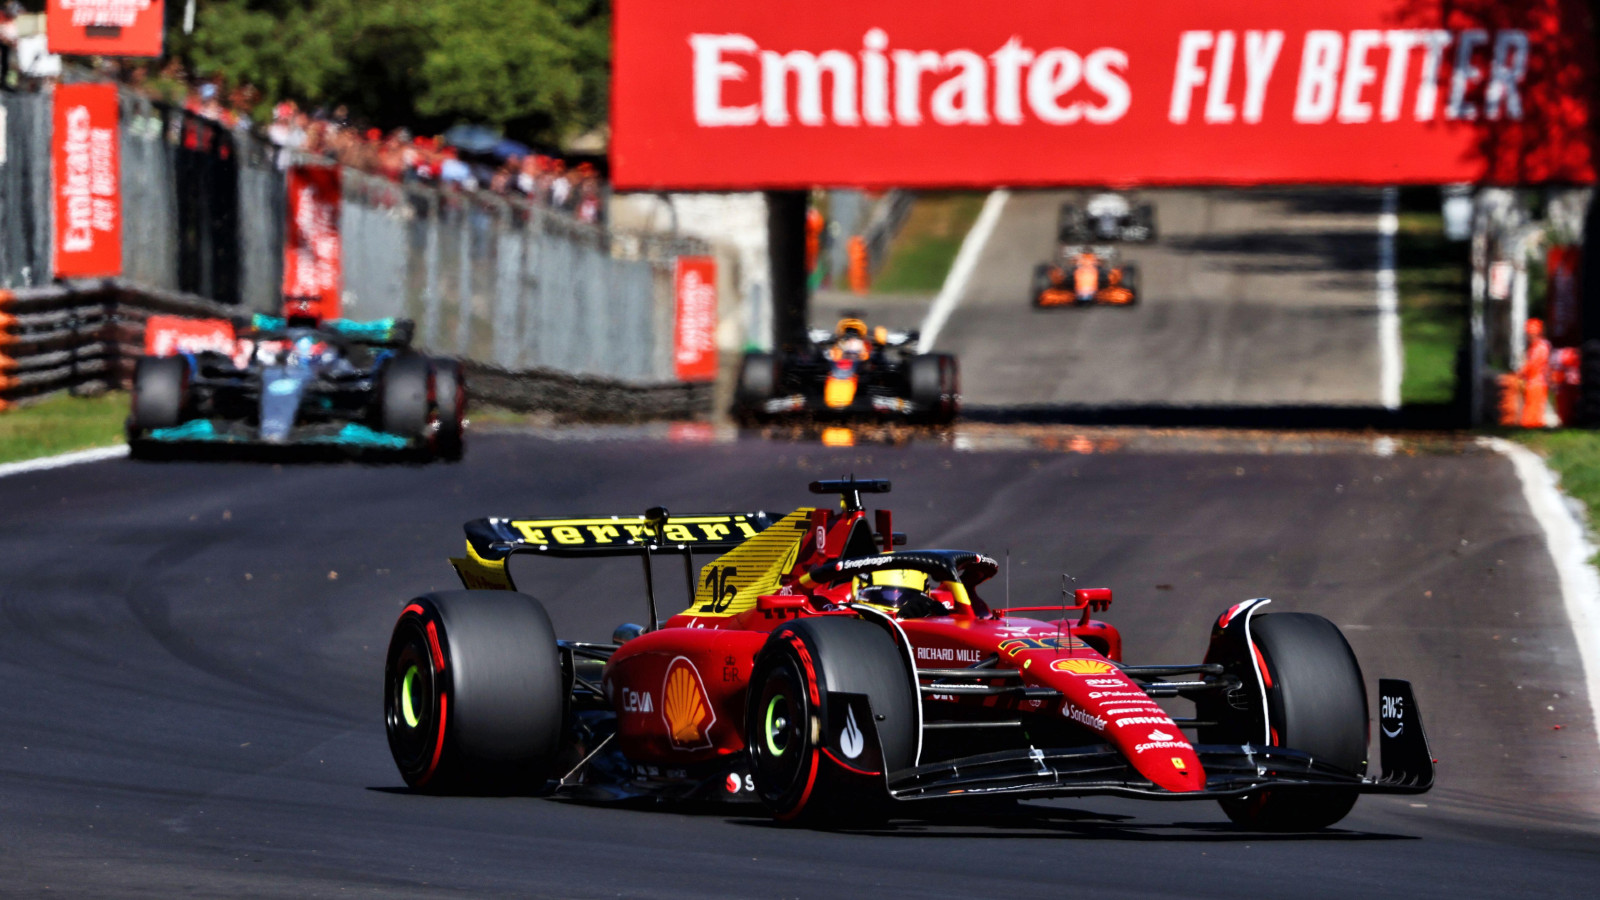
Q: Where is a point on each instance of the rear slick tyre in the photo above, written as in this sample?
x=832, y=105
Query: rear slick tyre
x=473, y=693
x=160, y=392
x=405, y=391
x=1317, y=704
x=796, y=775
x=450, y=409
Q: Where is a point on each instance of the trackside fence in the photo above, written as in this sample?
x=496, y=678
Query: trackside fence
x=87, y=336
x=530, y=299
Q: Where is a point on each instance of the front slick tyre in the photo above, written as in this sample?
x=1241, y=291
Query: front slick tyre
x=797, y=774
x=472, y=693
x=1317, y=703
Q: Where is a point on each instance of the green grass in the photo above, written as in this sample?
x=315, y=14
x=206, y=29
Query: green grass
x=1575, y=456
x=921, y=254
x=1431, y=275
x=60, y=424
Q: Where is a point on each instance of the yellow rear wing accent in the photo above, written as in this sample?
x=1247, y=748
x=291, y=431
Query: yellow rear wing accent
x=479, y=574
x=730, y=584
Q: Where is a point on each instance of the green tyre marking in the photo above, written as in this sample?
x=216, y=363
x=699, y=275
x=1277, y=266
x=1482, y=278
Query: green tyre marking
x=406, y=706
x=772, y=707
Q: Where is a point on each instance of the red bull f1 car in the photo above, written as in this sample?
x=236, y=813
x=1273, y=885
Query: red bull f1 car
x=854, y=374
x=830, y=676
x=1085, y=276
x=273, y=381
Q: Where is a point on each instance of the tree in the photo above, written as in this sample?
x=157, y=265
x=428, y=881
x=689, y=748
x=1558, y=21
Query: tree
x=538, y=67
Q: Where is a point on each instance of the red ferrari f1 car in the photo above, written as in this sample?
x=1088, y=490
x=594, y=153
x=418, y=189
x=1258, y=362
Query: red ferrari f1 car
x=831, y=677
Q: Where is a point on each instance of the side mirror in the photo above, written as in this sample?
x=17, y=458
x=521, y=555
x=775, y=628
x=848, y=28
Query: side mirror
x=1094, y=599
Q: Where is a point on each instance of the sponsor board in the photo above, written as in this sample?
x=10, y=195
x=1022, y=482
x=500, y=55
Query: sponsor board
x=695, y=323
x=87, y=181
x=169, y=335
x=105, y=27
x=312, y=279
x=785, y=94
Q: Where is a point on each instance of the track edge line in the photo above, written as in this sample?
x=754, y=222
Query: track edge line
x=955, y=283
x=62, y=460
x=1567, y=539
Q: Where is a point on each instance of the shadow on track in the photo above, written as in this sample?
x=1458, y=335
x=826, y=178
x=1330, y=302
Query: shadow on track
x=294, y=454
x=1420, y=417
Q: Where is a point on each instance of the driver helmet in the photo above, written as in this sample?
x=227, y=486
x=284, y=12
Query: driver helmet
x=305, y=350
x=851, y=326
x=902, y=591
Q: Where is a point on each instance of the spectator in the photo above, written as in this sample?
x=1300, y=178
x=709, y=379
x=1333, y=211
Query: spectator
x=453, y=171
x=560, y=187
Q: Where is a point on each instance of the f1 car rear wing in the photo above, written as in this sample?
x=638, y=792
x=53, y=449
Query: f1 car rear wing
x=391, y=332
x=490, y=542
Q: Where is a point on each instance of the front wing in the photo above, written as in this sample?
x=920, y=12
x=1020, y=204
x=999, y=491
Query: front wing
x=352, y=435
x=1231, y=770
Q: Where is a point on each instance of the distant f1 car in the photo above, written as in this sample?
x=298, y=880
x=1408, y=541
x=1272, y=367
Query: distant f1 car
x=1085, y=276
x=1106, y=217
x=829, y=676
x=273, y=382
x=851, y=373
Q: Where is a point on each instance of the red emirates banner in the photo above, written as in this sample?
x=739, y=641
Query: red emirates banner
x=311, y=275
x=105, y=27
x=695, y=330
x=168, y=335
x=789, y=94
x=86, y=178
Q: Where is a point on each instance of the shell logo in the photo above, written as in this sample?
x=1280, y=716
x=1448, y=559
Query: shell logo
x=686, y=707
x=1083, y=666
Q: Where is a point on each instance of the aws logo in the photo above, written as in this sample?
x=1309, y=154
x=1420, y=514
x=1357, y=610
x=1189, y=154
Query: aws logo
x=1083, y=666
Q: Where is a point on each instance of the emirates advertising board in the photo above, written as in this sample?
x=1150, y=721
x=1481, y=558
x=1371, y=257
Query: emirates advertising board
x=694, y=342
x=719, y=95
x=105, y=27
x=86, y=177
x=312, y=277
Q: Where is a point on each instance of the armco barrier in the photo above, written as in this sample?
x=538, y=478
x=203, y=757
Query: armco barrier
x=488, y=279
x=88, y=335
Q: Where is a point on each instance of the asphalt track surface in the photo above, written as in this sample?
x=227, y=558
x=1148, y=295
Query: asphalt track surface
x=192, y=656
x=1248, y=299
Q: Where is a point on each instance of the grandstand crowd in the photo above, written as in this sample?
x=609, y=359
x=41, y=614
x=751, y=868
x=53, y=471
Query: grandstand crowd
x=503, y=167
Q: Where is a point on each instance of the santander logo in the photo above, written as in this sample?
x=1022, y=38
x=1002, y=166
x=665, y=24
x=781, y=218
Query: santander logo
x=881, y=86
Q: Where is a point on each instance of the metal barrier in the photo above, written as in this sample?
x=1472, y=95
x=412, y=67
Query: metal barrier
x=504, y=285
x=88, y=336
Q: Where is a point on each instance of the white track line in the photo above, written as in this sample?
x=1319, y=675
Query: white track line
x=1391, y=360
x=1570, y=550
x=955, y=283
x=76, y=457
